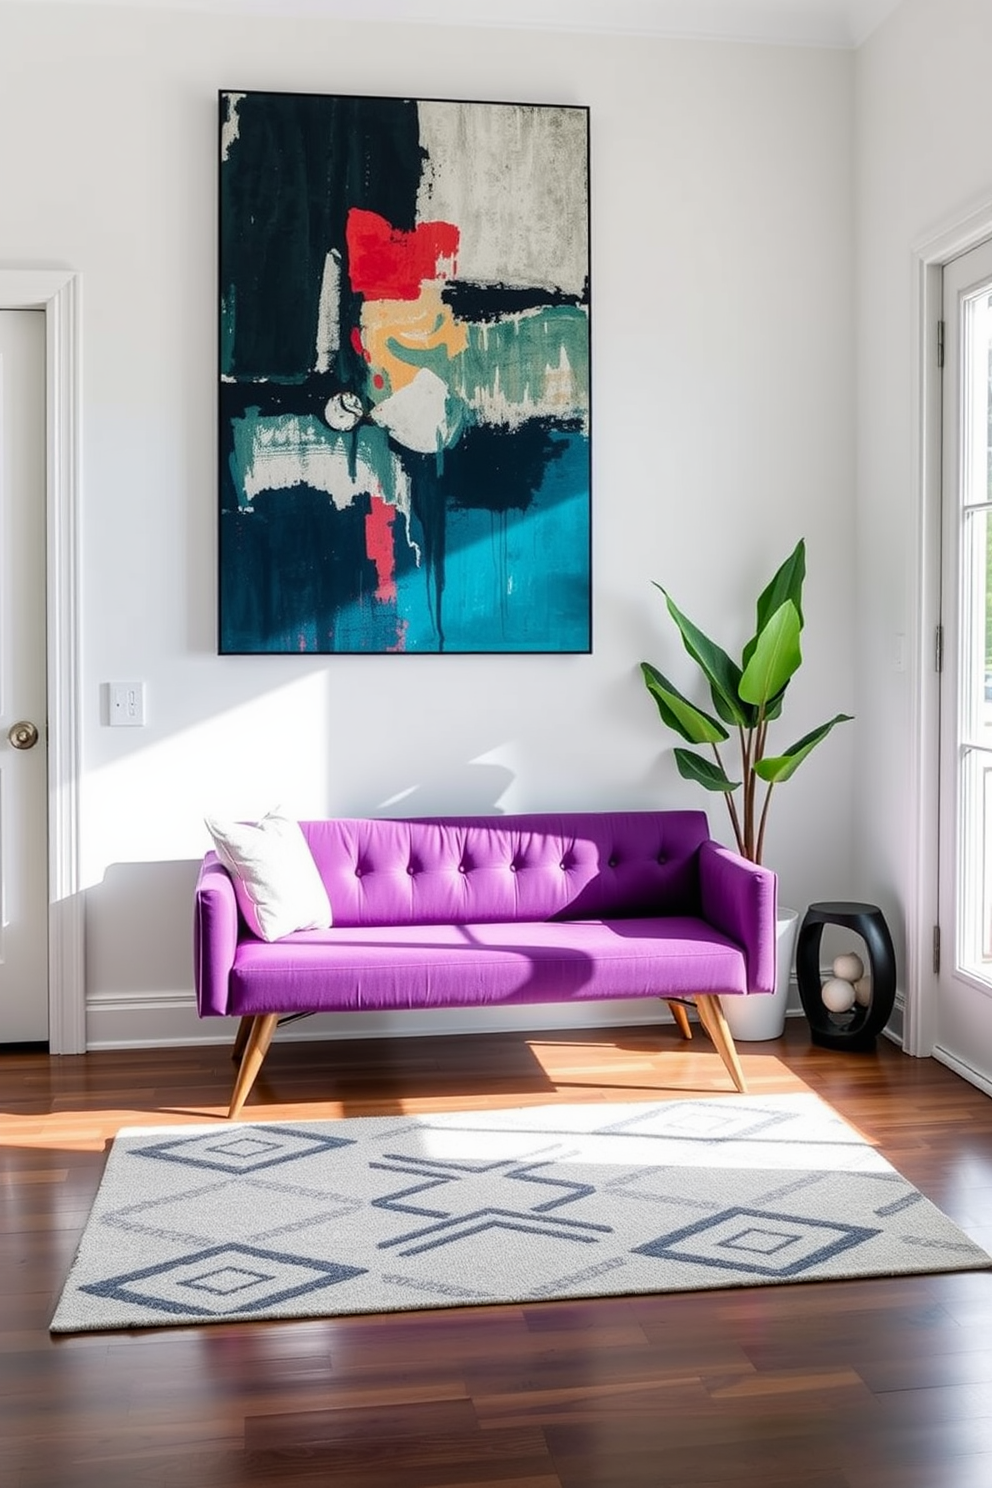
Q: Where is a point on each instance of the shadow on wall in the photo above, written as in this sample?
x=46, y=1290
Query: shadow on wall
x=139, y=929
x=472, y=788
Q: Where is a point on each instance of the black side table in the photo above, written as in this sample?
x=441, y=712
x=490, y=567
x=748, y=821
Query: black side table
x=857, y=1029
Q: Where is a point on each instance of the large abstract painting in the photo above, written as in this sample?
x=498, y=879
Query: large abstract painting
x=404, y=376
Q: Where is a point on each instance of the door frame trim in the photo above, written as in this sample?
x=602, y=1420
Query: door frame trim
x=57, y=293
x=930, y=256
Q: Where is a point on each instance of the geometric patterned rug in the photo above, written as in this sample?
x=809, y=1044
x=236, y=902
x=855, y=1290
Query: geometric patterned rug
x=389, y=1213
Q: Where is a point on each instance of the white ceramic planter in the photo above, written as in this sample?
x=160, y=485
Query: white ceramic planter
x=763, y=1016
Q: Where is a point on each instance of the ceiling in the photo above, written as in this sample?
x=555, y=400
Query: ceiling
x=827, y=23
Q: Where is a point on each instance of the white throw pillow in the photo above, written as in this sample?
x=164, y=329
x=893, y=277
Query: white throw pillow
x=276, y=880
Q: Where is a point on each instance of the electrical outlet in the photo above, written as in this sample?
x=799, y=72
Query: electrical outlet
x=127, y=704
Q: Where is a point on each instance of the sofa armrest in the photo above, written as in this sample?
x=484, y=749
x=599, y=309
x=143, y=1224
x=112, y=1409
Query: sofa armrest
x=741, y=900
x=215, y=936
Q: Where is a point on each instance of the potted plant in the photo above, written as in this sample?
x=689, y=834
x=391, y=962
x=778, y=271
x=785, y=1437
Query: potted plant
x=747, y=698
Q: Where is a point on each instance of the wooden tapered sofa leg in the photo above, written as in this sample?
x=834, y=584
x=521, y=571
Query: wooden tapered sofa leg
x=256, y=1047
x=710, y=1011
x=241, y=1039
x=678, y=1012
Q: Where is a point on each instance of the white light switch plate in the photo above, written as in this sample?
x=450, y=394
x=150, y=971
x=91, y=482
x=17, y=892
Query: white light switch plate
x=127, y=704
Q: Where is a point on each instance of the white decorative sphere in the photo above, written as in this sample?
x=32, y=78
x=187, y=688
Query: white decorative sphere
x=849, y=967
x=838, y=995
x=862, y=991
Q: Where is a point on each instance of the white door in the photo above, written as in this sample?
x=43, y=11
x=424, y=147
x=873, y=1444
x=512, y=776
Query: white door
x=23, y=764
x=964, y=1015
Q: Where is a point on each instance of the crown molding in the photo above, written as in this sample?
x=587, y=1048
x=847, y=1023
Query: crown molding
x=841, y=24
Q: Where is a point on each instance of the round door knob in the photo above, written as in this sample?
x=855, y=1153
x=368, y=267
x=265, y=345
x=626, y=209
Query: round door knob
x=23, y=735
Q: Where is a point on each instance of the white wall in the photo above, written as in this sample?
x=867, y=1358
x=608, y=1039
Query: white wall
x=924, y=126
x=723, y=431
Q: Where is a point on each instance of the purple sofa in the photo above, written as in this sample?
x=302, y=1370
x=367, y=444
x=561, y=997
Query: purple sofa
x=493, y=911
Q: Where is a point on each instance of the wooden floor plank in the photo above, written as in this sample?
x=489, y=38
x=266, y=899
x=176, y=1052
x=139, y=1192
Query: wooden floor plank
x=882, y=1383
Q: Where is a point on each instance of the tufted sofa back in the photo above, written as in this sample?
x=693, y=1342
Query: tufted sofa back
x=473, y=869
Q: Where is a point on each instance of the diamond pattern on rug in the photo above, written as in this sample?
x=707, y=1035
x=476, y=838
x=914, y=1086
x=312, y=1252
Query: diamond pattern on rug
x=703, y=1121
x=246, y=1206
x=752, y=1240
x=243, y=1150
x=238, y=1280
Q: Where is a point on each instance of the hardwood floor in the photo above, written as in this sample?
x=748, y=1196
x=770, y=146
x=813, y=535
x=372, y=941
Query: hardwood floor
x=870, y=1384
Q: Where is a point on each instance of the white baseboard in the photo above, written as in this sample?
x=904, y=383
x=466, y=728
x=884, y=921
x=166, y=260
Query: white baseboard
x=117, y=1021
x=896, y=1026
x=973, y=1076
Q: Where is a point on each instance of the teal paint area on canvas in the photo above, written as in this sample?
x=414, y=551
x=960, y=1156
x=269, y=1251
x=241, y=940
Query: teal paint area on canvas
x=463, y=578
x=514, y=581
x=280, y=451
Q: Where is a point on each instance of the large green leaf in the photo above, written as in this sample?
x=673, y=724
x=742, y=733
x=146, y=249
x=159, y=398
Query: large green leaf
x=731, y=714
x=721, y=672
x=787, y=584
x=782, y=766
x=678, y=713
x=703, y=771
x=773, y=707
x=775, y=658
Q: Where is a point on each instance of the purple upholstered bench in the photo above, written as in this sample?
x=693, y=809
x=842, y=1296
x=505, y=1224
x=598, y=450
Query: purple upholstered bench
x=486, y=911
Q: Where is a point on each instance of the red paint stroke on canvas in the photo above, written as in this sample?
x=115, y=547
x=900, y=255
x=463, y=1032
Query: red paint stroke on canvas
x=386, y=263
x=379, y=547
x=401, y=631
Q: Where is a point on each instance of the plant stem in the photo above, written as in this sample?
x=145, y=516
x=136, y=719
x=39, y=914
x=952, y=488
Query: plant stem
x=761, y=826
x=732, y=808
x=755, y=839
x=748, y=754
